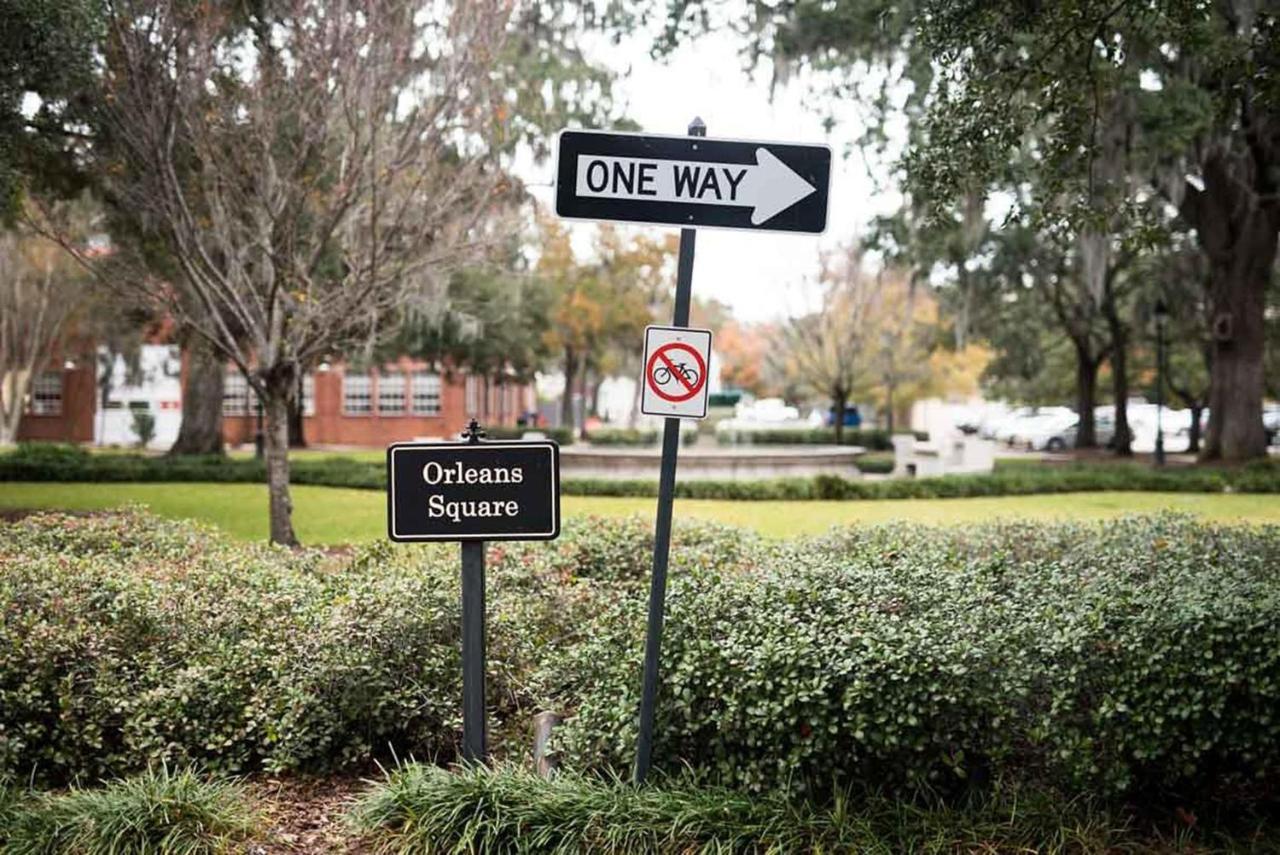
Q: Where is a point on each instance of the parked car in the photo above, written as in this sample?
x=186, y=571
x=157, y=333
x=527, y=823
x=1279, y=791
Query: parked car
x=1013, y=431
x=1053, y=432
x=852, y=418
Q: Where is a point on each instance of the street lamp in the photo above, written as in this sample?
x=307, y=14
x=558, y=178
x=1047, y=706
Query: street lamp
x=1162, y=318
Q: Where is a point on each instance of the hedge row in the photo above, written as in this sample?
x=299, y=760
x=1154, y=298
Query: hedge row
x=128, y=641
x=37, y=462
x=872, y=439
x=1136, y=657
x=635, y=437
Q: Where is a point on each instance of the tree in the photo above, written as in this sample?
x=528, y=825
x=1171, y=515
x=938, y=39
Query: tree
x=1190, y=91
x=308, y=175
x=600, y=307
x=901, y=328
x=828, y=349
x=40, y=291
x=1187, y=91
x=46, y=51
x=744, y=350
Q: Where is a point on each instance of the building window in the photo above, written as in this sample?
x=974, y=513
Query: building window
x=357, y=395
x=425, y=389
x=391, y=394
x=308, y=395
x=46, y=394
x=238, y=398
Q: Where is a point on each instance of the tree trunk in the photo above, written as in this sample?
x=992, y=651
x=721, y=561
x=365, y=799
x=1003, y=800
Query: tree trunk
x=1237, y=218
x=1086, y=397
x=276, y=410
x=1119, y=354
x=566, y=402
x=1120, y=392
x=582, y=395
x=1238, y=305
x=838, y=403
x=1193, y=438
x=202, y=388
x=888, y=422
x=297, y=436
x=14, y=384
x=597, y=382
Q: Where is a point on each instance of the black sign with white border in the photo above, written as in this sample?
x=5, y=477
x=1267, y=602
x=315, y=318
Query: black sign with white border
x=692, y=182
x=458, y=491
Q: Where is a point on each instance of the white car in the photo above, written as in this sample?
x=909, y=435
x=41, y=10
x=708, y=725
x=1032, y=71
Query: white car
x=1053, y=432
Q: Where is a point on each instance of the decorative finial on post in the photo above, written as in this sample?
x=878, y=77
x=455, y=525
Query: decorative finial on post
x=697, y=128
x=474, y=433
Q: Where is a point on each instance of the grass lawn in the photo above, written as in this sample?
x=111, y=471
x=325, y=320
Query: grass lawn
x=332, y=515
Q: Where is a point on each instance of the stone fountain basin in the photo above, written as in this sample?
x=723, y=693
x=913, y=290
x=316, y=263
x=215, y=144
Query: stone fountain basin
x=746, y=463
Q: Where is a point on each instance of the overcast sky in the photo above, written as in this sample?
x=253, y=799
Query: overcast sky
x=759, y=275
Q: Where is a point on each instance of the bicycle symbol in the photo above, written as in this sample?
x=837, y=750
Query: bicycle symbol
x=662, y=375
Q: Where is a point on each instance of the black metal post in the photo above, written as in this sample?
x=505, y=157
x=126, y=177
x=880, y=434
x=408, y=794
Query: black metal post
x=1161, y=314
x=666, y=497
x=474, y=747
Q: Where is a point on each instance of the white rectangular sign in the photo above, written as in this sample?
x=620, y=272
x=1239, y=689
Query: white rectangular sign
x=676, y=363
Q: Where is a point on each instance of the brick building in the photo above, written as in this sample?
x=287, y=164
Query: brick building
x=342, y=406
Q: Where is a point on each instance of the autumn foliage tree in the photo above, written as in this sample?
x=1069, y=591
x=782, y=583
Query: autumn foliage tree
x=41, y=289
x=308, y=173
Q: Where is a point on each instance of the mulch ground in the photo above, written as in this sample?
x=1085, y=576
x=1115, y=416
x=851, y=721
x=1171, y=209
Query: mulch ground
x=304, y=815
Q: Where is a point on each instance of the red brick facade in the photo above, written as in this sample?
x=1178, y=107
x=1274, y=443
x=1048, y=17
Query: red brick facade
x=330, y=421
x=399, y=408
x=73, y=420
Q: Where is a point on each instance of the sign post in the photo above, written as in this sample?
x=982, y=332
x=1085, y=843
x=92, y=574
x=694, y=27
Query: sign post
x=473, y=492
x=691, y=182
x=666, y=497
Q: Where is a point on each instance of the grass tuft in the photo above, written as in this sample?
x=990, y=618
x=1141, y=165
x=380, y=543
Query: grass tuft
x=426, y=809
x=158, y=812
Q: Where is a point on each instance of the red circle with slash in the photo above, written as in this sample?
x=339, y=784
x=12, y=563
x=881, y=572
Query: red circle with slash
x=661, y=356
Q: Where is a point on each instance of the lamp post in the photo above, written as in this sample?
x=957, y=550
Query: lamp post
x=1162, y=318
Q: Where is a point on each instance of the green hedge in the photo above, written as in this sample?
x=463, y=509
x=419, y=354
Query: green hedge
x=635, y=437
x=871, y=439
x=44, y=462
x=1137, y=657
x=562, y=435
x=623, y=436
x=1140, y=656
x=129, y=641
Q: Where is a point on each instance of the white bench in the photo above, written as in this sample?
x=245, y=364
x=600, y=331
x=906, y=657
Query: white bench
x=964, y=454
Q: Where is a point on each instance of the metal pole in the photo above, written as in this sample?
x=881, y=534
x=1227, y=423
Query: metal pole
x=1160, y=392
x=666, y=497
x=473, y=730
x=473, y=724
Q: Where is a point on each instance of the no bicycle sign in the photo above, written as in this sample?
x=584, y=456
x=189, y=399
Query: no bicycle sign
x=675, y=372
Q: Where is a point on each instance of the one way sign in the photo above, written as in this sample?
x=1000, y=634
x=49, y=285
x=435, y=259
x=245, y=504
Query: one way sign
x=692, y=181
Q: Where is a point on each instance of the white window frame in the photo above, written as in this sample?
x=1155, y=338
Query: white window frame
x=46, y=394
x=426, y=393
x=364, y=380
x=395, y=380
x=235, y=394
x=308, y=395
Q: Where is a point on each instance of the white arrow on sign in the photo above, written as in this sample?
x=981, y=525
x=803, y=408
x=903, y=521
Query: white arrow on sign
x=769, y=187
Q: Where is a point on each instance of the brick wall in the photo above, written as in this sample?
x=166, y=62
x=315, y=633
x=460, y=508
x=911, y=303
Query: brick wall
x=79, y=405
x=332, y=425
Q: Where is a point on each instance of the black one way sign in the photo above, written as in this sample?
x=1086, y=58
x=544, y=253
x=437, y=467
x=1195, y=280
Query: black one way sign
x=692, y=181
